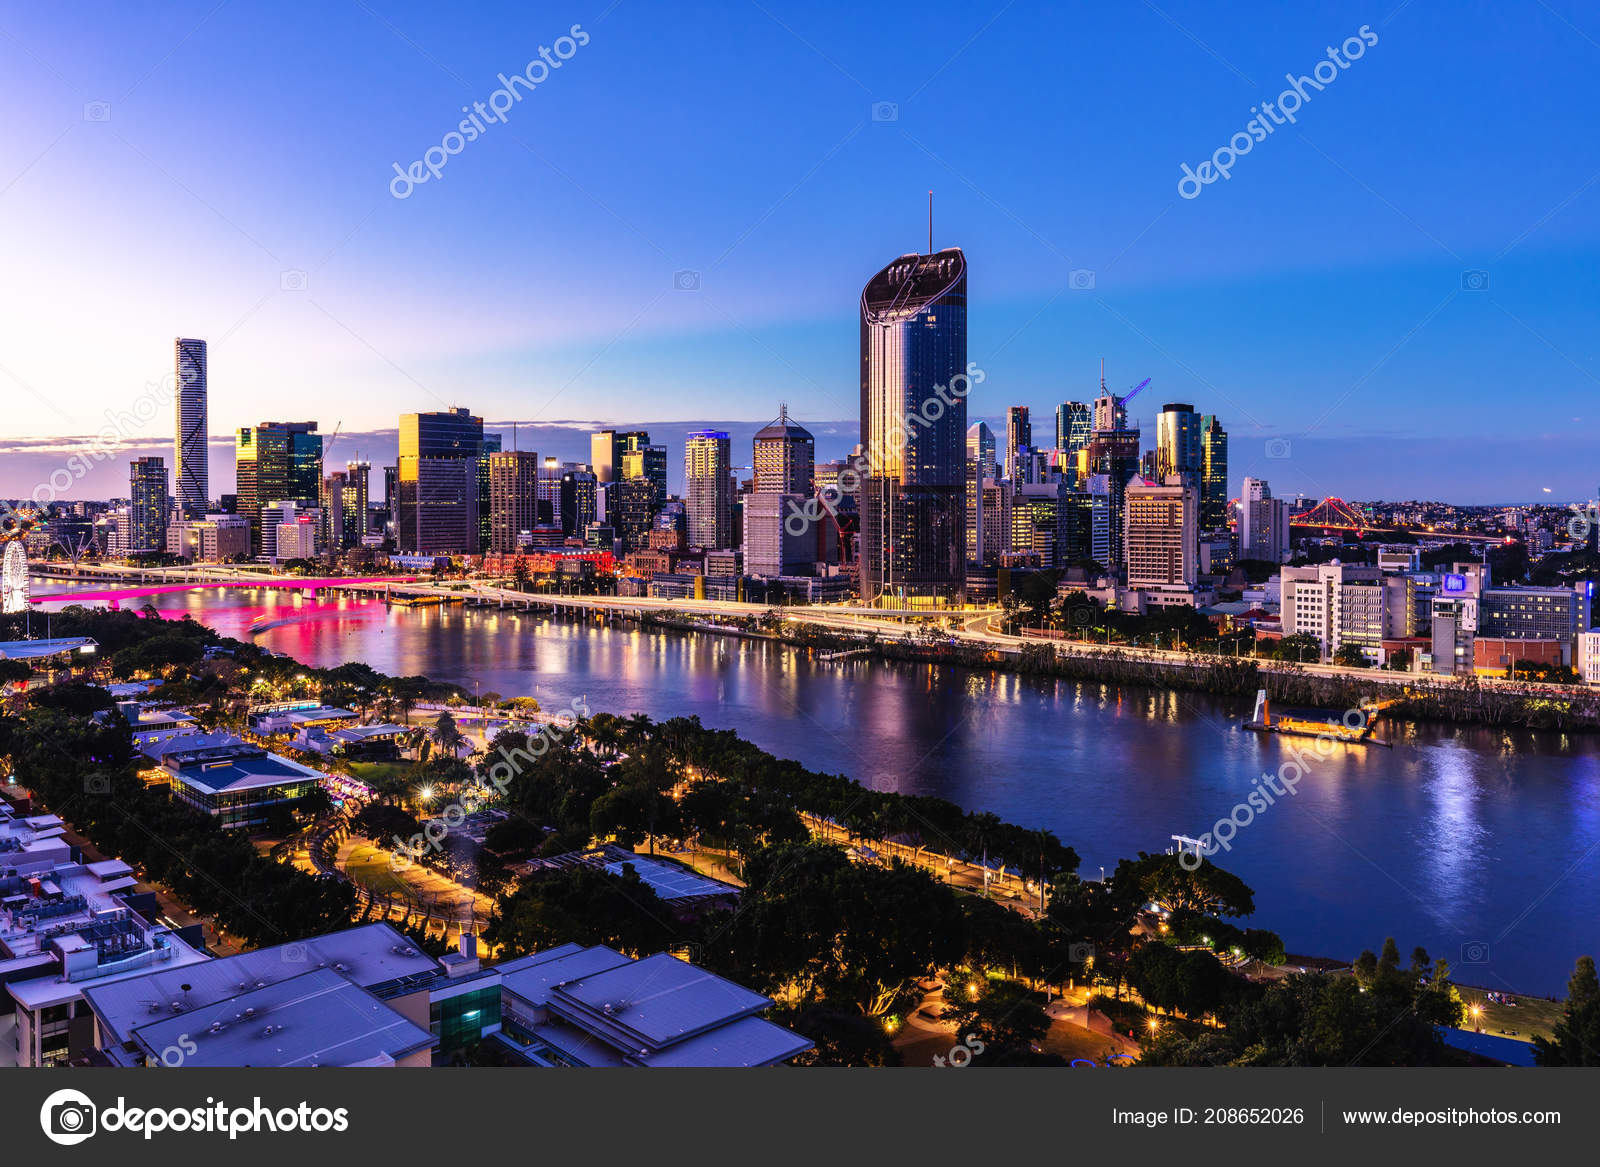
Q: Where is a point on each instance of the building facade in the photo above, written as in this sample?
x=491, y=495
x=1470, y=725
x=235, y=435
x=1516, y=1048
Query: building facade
x=913, y=430
x=708, y=487
x=191, y=465
x=438, y=483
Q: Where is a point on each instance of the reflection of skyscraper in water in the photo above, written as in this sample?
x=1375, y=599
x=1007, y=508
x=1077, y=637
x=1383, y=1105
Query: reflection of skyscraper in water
x=913, y=349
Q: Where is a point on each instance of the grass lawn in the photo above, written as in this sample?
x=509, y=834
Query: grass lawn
x=373, y=773
x=370, y=868
x=1529, y=1016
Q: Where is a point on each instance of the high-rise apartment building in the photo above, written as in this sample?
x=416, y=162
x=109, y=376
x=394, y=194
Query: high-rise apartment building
x=1263, y=523
x=1213, y=473
x=1161, y=536
x=191, y=466
x=276, y=461
x=913, y=429
x=147, y=505
x=513, y=498
x=605, y=455
x=708, y=487
x=438, y=483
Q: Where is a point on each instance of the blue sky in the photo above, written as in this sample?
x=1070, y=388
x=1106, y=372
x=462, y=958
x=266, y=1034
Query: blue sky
x=173, y=168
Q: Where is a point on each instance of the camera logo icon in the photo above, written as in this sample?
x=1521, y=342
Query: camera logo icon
x=97, y=111
x=686, y=281
x=1081, y=953
x=68, y=1117
x=293, y=280
x=97, y=784
x=1278, y=447
x=1081, y=280
x=1475, y=952
x=294, y=953
x=1476, y=280
x=885, y=111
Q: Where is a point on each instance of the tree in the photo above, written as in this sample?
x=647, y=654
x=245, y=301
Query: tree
x=1163, y=879
x=582, y=905
x=446, y=734
x=841, y=1035
x=1575, y=1040
x=1006, y=1015
x=1351, y=656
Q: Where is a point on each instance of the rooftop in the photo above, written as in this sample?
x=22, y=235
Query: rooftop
x=316, y=1018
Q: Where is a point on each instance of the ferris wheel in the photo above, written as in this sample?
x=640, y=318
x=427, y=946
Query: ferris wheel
x=14, y=528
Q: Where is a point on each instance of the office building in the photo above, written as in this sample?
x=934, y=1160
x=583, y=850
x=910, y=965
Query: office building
x=785, y=458
x=1019, y=434
x=1263, y=523
x=605, y=455
x=1039, y=521
x=1346, y=605
x=1114, y=455
x=775, y=544
x=913, y=429
x=191, y=465
x=1213, y=474
x=277, y=461
x=513, y=499
x=213, y=539
x=981, y=448
x=642, y=460
x=439, y=483
x=1178, y=443
x=147, y=506
x=299, y=538
x=549, y=494
x=578, y=500
x=630, y=508
x=1074, y=427
x=708, y=487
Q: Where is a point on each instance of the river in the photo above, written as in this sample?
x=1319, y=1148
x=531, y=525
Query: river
x=1482, y=846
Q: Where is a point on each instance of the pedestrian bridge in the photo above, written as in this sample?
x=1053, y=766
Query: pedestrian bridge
x=309, y=585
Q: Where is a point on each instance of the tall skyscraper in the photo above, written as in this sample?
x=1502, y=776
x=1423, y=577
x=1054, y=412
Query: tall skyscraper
x=357, y=489
x=913, y=429
x=708, y=487
x=437, y=511
x=490, y=445
x=1019, y=433
x=147, y=505
x=981, y=447
x=337, y=522
x=1213, y=473
x=190, y=466
x=605, y=455
x=1074, y=427
x=1178, y=442
x=513, y=498
x=639, y=459
x=578, y=499
x=785, y=458
x=276, y=461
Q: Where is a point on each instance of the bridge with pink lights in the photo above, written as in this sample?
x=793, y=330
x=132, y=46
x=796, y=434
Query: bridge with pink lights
x=308, y=585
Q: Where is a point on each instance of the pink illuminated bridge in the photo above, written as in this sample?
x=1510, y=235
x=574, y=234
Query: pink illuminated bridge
x=115, y=596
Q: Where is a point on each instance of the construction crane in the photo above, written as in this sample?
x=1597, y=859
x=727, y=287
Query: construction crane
x=1132, y=393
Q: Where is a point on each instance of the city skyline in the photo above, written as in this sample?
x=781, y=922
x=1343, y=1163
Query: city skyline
x=1224, y=299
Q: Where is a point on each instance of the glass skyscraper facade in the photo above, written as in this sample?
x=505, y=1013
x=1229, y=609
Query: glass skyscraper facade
x=1213, y=473
x=438, y=483
x=277, y=461
x=191, y=468
x=913, y=430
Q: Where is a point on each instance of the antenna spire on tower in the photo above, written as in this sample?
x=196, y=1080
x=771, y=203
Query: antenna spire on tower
x=930, y=222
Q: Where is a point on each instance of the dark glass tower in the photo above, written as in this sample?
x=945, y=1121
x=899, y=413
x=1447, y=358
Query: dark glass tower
x=914, y=429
